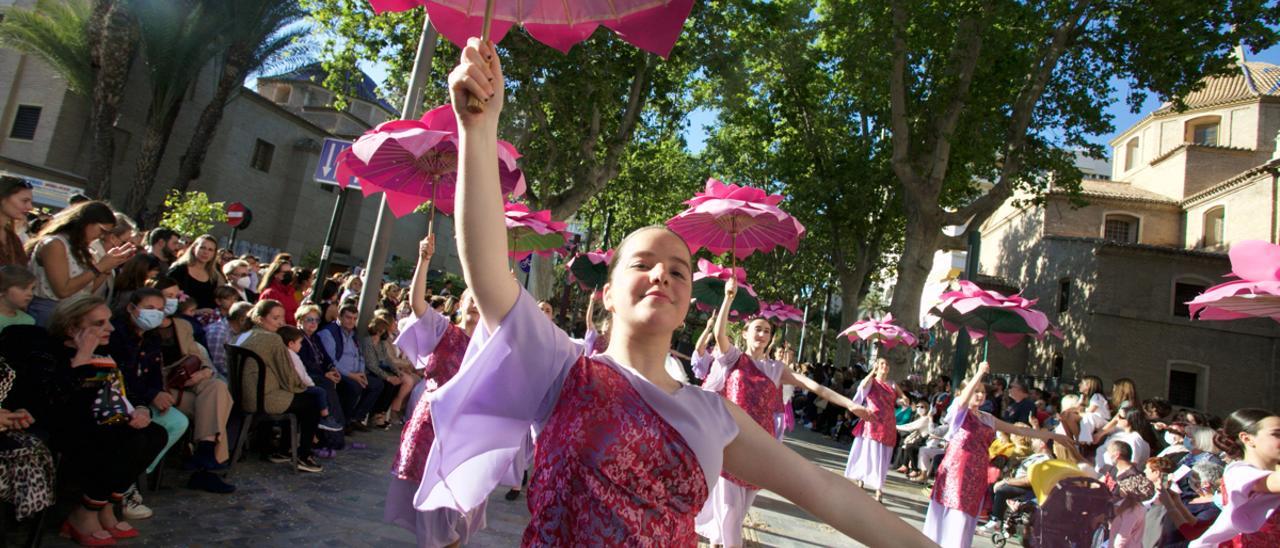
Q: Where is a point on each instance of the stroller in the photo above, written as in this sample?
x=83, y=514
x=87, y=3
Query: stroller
x=1075, y=514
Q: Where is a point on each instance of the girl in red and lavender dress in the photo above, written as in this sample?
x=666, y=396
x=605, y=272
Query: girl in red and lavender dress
x=961, y=484
x=874, y=438
x=753, y=382
x=1251, y=517
x=625, y=454
x=435, y=346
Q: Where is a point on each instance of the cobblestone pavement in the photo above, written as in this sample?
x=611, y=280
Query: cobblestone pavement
x=273, y=506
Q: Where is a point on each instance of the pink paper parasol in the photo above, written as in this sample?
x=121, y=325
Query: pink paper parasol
x=883, y=331
x=1255, y=295
x=708, y=289
x=651, y=25
x=530, y=232
x=416, y=161
x=982, y=313
x=739, y=219
x=781, y=312
x=590, y=270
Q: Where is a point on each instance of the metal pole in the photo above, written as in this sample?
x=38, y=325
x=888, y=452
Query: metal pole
x=960, y=361
x=380, y=246
x=331, y=235
x=804, y=329
x=232, y=244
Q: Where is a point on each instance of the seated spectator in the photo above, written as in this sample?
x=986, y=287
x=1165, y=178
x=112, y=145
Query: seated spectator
x=303, y=281
x=238, y=278
x=61, y=260
x=197, y=274
x=61, y=382
x=915, y=434
x=358, y=391
x=351, y=288
x=1175, y=435
x=1021, y=405
x=283, y=392
x=1159, y=522
x=1191, y=518
x=1017, y=487
x=26, y=466
x=133, y=274
x=220, y=331
x=1131, y=488
x=319, y=366
x=277, y=285
x=383, y=359
x=17, y=287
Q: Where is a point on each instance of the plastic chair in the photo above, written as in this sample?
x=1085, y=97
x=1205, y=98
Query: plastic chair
x=237, y=358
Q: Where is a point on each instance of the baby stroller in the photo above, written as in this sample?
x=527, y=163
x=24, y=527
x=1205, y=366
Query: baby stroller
x=1072, y=509
x=1016, y=525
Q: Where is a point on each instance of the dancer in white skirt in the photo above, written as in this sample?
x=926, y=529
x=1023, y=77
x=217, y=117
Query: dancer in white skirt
x=874, y=438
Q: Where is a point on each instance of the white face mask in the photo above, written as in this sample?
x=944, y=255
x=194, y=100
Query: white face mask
x=148, y=319
x=244, y=282
x=1169, y=439
x=170, y=306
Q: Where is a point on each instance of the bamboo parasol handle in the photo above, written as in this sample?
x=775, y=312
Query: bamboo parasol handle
x=475, y=105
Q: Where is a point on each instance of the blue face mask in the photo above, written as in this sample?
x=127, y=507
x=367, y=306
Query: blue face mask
x=170, y=306
x=148, y=319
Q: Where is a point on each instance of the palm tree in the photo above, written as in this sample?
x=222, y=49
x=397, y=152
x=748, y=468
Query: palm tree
x=261, y=35
x=54, y=32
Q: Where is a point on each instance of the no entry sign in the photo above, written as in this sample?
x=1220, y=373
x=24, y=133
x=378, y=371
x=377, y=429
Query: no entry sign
x=238, y=216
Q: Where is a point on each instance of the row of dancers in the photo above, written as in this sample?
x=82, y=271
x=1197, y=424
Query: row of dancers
x=618, y=448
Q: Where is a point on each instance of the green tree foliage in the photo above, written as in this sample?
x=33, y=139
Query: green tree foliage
x=191, y=213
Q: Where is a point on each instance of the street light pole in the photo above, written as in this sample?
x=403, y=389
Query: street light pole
x=379, y=247
x=960, y=361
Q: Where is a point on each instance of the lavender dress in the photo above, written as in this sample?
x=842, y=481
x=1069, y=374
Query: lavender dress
x=597, y=479
x=1250, y=518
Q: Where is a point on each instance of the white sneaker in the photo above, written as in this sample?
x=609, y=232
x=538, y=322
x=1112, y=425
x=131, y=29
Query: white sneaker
x=134, y=509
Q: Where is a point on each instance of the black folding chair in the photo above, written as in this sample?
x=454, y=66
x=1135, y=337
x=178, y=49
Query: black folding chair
x=240, y=360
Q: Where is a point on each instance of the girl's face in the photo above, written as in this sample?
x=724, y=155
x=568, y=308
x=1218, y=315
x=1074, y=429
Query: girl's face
x=95, y=230
x=172, y=292
x=284, y=267
x=758, y=334
x=19, y=296
x=17, y=205
x=1266, y=443
x=1153, y=475
x=206, y=251
x=649, y=289
x=546, y=309
x=979, y=396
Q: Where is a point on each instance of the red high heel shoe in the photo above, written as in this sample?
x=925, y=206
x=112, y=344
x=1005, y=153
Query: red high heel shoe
x=70, y=531
x=118, y=533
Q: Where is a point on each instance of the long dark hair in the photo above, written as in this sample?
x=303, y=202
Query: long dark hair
x=71, y=223
x=1138, y=423
x=1248, y=421
x=11, y=251
x=133, y=273
x=280, y=259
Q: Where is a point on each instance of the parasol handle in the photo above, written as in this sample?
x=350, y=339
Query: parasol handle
x=474, y=104
x=431, y=219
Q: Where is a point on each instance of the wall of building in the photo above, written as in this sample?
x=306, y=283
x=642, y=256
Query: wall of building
x=1159, y=224
x=1250, y=209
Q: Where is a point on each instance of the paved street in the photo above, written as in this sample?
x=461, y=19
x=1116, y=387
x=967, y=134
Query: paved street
x=343, y=506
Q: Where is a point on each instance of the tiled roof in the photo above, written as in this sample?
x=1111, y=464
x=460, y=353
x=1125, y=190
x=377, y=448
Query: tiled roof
x=1119, y=191
x=366, y=89
x=1252, y=80
x=1243, y=177
x=1102, y=246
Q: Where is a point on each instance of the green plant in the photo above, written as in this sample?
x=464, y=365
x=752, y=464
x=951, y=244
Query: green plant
x=310, y=259
x=400, y=269
x=191, y=213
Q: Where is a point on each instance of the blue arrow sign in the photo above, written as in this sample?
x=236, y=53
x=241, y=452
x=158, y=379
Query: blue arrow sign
x=525, y=263
x=327, y=167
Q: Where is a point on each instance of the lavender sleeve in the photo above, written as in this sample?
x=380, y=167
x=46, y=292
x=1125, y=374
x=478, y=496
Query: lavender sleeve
x=589, y=340
x=1247, y=510
x=509, y=381
x=701, y=364
x=720, y=366
x=954, y=417
x=419, y=336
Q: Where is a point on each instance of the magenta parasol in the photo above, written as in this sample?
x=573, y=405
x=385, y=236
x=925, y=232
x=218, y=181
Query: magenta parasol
x=416, y=161
x=651, y=25
x=708, y=289
x=738, y=219
x=883, y=331
x=986, y=313
x=781, y=312
x=530, y=232
x=1257, y=292
x=590, y=270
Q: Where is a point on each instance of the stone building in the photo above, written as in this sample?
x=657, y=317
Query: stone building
x=264, y=154
x=1116, y=271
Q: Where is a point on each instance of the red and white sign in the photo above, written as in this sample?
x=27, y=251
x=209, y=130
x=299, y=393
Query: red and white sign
x=237, y=213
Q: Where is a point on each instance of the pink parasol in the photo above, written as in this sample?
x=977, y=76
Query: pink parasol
x=590, y=270
x=416, y=161
x=738, y=219
x=651, y=25
x=530, y=232
x=982, y=313
x=708, y=289
x=883, y=331
x=1257, y=292
x=781, y=312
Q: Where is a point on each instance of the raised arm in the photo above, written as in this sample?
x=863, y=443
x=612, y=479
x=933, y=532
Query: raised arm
x=418, y=291
x=707, y=331
x=796, y=379
x=591, y=311
x=482, y=234
x=723, y=344
x=972, y=386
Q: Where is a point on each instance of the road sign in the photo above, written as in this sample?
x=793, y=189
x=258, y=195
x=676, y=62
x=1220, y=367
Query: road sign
x=327, y=167
x=238, y=216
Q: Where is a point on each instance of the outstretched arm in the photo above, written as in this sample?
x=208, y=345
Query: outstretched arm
x=757, y=457
x=972, y=386
x=1023, y=431
x=482, y=234
x=796, y=379
x=723, y=344
x=591, y=311
x=418, y=291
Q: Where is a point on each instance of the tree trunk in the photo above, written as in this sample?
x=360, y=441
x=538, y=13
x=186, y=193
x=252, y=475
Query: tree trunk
x=853, y=279
x=112, y=42
x=154, y=143
x=923, y=234
x=544, y=277
x=207, y=127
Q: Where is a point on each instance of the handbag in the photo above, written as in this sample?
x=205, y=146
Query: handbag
x=178, y=373
x=110, y=406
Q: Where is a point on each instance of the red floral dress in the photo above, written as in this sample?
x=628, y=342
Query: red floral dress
x=757, y=394
x=610, y=471
x=882, y=428
x=1267, y=537
x=419, y=432
x=962, y=476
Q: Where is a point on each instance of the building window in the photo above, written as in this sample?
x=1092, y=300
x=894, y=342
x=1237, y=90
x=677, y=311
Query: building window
x=1057, y=366
x=25, y=122
x=1188, y=385
x=283, y=94
x=1203, y=130
x=1064, y=294
x=1120, y=228
x=262, y=153
x=1183, y=291
x=1215, y=226
x=1131, y=152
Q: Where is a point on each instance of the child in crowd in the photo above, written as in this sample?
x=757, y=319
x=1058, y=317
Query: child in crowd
x=17, y=285
x=293, y=341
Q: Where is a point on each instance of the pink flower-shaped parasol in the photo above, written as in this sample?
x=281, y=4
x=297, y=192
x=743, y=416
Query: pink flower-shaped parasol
x=739, y=219
x=708, y=289
x=590, y=270
x=781, y=312
x=416, y=161
x=530, y=232
x=651, y=25
x=883, y=331
x=1257, y=292
x=981, y=312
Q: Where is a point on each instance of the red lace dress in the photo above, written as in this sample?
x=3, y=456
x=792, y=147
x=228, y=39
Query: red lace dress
x=418, y=433
x=962, y=476
x=873, y=441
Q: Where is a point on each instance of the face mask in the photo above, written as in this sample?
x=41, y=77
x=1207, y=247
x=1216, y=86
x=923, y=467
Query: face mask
x=1186, y=442
x=1169, y=439
x=148, y=319
x=287, y=279
x=170, y=306
x=244, y=282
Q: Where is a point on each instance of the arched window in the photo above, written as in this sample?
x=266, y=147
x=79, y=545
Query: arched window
x=1202, y=130
x=1215, y=224
x=1120, y=228
x=1131, y=151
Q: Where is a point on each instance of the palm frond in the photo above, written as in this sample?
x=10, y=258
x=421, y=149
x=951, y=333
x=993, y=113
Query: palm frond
x=178, y=38
x=54, y=32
